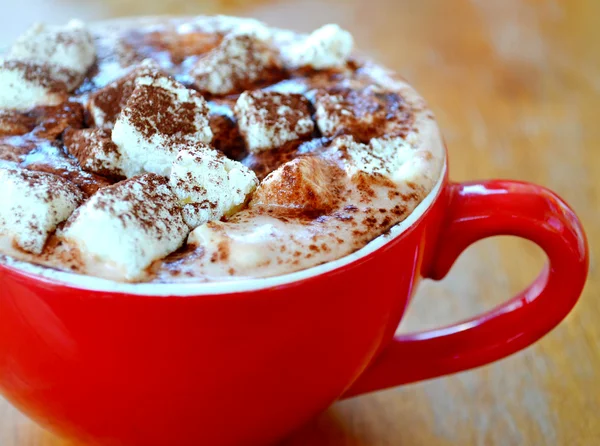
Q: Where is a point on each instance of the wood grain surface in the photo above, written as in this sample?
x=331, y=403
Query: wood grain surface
x=516, y=88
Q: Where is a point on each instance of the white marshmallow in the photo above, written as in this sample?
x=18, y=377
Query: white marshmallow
x=32, y=204
x=128, y=225
x=158, y=118
x=392, y=157
x=69, y=47
x=209, y=185
x=238, y=61
x=222, y=24
x=403, y=162
x=268, y=120
x=366, y=112
x=25, y=85
x=326, y=47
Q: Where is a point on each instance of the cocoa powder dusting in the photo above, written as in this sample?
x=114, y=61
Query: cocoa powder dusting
x=39, y=74
x=111, y=99
x=159, y=105
x=304, y=185
x=13, y=123
x=52, y=121
x=364, y=113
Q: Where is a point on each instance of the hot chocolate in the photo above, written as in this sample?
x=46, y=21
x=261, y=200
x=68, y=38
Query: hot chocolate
x=203, y=149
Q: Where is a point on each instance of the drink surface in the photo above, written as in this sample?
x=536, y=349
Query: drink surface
x=203, y=149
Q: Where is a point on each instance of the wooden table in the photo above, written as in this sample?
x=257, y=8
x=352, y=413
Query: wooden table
x=516, y=88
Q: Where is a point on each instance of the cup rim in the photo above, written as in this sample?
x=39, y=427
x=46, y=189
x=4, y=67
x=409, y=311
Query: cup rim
x=90, y=283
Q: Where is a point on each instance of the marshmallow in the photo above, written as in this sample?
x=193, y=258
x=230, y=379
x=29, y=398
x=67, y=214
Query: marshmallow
x=128, y=225
x=239, y=62
x=364, y=113
x=14, y=124
x=52, y=158
x=24, y=85
x=159, y=117
x=327, y=47
x=223, y=25
x=209, y=185
x=402, y=162
x=69, y=47
x=306, y=186
x=53, y=121
x=46, y=122
x=268, y=120
x=32, y=204
x=106, y=103
x=389, y=156
x=94, y=150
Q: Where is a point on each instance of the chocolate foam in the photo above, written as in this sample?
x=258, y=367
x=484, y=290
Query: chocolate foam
x=317, y=201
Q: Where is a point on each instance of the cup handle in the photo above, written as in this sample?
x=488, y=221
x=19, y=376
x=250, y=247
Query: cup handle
x=478, y=210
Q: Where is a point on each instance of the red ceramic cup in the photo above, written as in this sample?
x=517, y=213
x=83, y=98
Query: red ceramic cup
x=246, y=363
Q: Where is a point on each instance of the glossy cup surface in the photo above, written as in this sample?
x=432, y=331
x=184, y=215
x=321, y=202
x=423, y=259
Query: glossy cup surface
x=245, y=364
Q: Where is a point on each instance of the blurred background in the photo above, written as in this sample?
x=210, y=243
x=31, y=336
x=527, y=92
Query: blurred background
x=515, y=85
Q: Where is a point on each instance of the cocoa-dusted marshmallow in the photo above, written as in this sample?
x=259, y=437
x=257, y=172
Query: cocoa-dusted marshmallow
x=69, y=49
x=32, y=204
x=236, y=65
x=94, y=150
x=54, y=120
x=269, y=119
x=128, y=225
x=390, y=156
x=304, y=186
x=364, y=113
x=222, y=25
x=106, y=103
x=13, y=123
x=160, y=116
x=24, y=85
x=327, y=47
x=209, y=185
